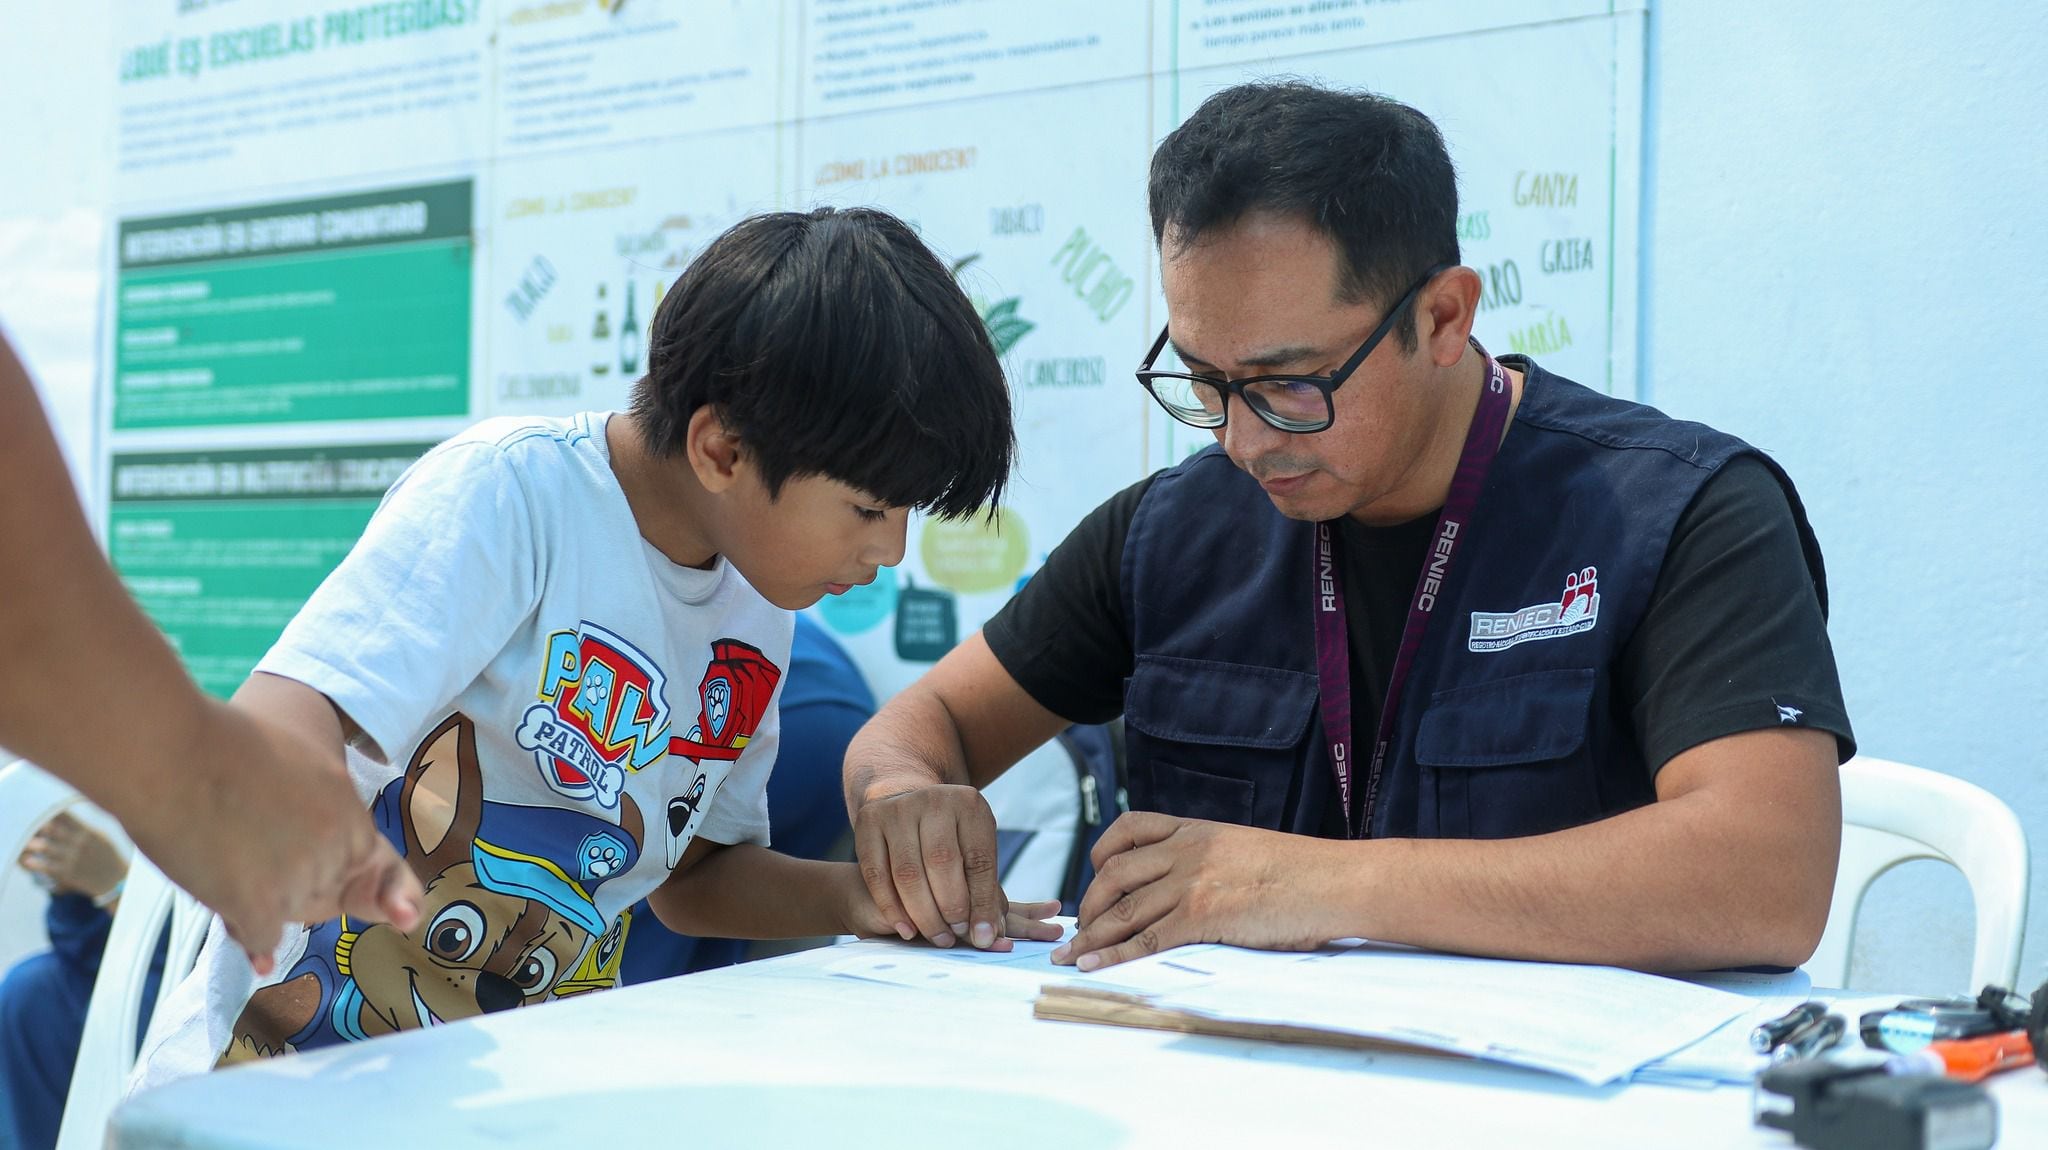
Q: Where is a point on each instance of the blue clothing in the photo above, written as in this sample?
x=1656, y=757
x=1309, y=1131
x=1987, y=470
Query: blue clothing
x=824, y=701
x=1509, y=723
x=43, y=1001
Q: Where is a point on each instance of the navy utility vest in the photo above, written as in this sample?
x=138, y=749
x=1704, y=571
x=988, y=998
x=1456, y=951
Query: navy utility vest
x=1509, y=724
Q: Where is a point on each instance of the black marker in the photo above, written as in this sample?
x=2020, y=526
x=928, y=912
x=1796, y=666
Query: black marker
x=1773, y=1034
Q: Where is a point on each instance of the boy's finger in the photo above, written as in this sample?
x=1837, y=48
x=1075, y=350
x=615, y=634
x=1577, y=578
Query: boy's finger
x=1025, y=921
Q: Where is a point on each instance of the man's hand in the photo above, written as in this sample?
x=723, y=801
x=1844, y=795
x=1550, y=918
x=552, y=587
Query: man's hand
x=1021, y=920
x=928, y=856
x=1162, y=882
x=285, y=838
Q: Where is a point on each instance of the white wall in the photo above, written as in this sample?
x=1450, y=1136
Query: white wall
x=1846, y=263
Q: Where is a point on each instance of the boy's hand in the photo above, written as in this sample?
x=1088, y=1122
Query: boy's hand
x=928, y=855
x=861, y=917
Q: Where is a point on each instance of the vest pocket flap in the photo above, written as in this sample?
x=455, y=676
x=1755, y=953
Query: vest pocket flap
x=1520, y=719
x=1219, y=704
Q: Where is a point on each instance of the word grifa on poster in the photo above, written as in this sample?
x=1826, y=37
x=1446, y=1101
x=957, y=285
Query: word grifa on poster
x=338, y=27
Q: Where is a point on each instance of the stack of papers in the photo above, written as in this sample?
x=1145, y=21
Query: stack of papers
x=1593, y=1023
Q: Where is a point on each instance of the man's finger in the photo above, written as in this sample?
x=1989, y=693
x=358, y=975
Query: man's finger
x=944, y=871
x=1131, y=830
x=1122, y=874
x=987, y=907
x=871, y=848
x=1165, y=934
x=1129, y=917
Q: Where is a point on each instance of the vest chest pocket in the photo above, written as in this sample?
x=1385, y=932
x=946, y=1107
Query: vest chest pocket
x=1507, y=758
x=1218, y=741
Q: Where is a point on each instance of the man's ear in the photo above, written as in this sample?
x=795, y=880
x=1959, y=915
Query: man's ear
x=1444, y=313
x=714, y=450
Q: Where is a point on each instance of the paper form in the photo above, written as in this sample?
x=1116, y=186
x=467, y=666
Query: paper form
x=1592, y=1023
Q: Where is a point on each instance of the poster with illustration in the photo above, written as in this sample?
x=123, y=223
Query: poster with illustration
x=340, y=227
x=1046, y=233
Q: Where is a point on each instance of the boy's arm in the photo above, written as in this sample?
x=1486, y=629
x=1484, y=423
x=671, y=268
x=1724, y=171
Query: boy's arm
x=749, y=891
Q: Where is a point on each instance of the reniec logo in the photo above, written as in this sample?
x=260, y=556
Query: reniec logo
x=1578, y=611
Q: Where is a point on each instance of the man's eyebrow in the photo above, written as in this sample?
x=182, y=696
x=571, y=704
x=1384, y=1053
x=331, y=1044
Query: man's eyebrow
x=1271, y=357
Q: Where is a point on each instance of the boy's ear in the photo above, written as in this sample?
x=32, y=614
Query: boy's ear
x=714, y=451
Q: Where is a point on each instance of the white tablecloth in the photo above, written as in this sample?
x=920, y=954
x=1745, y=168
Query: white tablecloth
x=781, y=1054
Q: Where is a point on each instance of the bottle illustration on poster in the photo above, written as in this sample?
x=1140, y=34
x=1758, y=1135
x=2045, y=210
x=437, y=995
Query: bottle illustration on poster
x=601, y=335
x=629, y=338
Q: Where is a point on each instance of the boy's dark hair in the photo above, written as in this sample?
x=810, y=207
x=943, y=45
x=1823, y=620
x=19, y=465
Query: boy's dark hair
x=834, y=343
x=1369, y=172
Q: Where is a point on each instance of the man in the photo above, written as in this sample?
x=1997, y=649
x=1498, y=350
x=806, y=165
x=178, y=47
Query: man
x=1615, y=718
x=256, y=823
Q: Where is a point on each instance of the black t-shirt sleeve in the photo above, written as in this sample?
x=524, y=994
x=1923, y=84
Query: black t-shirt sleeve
x=1734, y=638
x=1064, y=637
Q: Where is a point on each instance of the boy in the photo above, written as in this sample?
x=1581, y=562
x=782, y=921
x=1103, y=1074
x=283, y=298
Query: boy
x=554, y=655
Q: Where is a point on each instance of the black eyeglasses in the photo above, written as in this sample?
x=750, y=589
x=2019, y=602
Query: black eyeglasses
x=1300, y=404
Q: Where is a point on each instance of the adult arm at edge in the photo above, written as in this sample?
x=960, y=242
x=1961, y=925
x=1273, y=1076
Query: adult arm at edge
x=253, y=822
x=924, y=836
x=1733, y=865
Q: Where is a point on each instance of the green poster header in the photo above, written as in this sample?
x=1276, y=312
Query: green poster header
x=386, y=216
x=272, y=473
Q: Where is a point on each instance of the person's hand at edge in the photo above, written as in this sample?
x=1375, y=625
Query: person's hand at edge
x=301, y=848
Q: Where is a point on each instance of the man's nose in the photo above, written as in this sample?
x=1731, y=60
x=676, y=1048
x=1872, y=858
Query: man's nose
x=1244, y=435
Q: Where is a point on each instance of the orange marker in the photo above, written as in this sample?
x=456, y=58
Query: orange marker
x=1970, y=1059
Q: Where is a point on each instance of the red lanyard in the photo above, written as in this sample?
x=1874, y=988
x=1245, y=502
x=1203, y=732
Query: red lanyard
x=1333, y=659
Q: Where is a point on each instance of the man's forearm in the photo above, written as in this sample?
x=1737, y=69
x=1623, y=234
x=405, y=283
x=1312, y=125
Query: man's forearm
x=1657, y=888
x=749, y=891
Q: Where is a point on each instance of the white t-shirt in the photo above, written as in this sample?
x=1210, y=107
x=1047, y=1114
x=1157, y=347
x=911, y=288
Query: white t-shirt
x=559, y=710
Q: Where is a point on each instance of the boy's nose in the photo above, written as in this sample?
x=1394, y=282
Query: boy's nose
x=891, y=540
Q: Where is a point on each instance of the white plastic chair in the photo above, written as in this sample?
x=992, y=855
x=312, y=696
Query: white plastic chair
x=106, y=1050
x=1893, y=813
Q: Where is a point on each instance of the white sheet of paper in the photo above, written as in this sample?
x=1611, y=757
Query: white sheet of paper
x=1592, y=1023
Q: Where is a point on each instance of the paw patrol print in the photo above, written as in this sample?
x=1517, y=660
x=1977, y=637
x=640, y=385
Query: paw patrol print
x=717, y=703
x=603, y=857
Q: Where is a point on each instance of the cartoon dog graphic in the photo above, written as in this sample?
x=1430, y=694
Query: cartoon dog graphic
x=510, y=906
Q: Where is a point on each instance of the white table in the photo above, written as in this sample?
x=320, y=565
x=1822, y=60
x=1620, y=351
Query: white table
x=781, y=1054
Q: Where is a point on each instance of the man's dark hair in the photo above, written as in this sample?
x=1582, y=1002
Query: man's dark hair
x=1369, y=172
x=834, y=343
